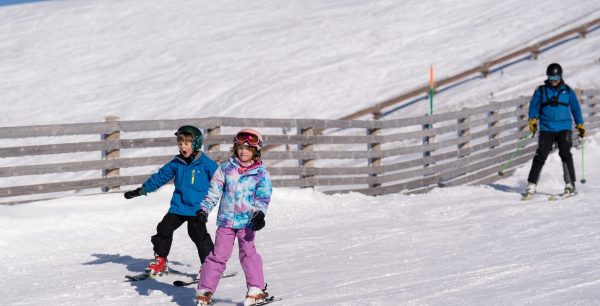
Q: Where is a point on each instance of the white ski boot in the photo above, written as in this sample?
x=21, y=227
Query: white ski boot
x=203, y=298
x=529, y=192
x=255, y=295
x=569, y=189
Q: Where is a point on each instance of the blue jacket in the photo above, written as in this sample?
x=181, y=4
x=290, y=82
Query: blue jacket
x=191, y=182
x=555, y=115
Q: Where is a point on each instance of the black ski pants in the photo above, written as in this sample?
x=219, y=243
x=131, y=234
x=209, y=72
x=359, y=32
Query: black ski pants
x=564, y=141
x=196, y=230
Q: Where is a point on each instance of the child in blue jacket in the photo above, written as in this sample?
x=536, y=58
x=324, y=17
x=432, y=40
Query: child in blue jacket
x=191, y=171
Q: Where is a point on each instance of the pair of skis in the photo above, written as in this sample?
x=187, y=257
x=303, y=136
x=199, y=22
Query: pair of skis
x=147, y=274
x=181, y=283
x=266, y=301
x=552, y=197
x=178, y=283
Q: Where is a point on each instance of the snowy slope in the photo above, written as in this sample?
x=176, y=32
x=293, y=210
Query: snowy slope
x=78, y=61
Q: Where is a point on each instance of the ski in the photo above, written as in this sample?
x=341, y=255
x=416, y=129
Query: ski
x=268, y=300
x=551, y=197
x=527, y=196
x=180, y=283
x=137, y=277
x=143, y=276
x=562, y=196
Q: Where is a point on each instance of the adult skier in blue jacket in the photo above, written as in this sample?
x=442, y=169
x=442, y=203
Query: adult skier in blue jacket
x=552, y=109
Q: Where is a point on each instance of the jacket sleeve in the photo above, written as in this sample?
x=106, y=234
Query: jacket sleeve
x=575, y=107
x=215, y=191
x=211, y=168
x=535, y=104
x=163, y=176
x=264, y=189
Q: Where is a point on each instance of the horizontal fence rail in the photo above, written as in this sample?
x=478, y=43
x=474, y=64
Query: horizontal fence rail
x=406, y=155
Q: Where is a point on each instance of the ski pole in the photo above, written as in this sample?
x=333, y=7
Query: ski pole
x=522, y=143
x=582, y=164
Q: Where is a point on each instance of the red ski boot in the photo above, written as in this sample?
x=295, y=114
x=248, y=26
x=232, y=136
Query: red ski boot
x=157, y=267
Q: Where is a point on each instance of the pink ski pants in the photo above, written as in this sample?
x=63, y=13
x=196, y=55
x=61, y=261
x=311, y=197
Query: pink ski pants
x=216, y=262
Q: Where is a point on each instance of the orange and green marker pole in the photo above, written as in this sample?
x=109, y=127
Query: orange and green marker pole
x=431, y=90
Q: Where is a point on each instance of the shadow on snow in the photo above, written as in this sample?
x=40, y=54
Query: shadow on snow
x=179, y=295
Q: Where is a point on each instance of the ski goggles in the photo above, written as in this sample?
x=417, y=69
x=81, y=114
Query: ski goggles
x=554, y=78
x=250, y=139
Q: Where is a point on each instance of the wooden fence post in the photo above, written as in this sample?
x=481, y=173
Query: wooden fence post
x=593, y=106
x=461, y=133
x=579, y=95
x=374, y=147
x=214, y=148
x=535, y=51
x=426, y=141
x=523, y=118
x=287, y=145
x=492, y=124
x=306, y=163
x=111, y=154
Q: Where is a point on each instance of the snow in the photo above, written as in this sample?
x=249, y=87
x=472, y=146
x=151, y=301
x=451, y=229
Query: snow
x=79, y=61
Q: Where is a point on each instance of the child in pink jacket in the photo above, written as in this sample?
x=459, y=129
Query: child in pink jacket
x=242, y=189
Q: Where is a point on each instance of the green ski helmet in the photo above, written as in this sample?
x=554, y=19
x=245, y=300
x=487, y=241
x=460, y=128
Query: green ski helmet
x=194, y=131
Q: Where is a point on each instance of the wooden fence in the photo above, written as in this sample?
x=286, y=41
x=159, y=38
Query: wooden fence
x=372, y=157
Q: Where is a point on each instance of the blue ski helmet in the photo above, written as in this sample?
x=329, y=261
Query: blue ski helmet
x=195, y=132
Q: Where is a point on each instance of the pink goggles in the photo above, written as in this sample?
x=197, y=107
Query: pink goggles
x=248, y=138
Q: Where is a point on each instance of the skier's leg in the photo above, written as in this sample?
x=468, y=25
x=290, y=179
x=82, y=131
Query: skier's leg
x=201, y=238
x=164, y=234
x=216, y=262
x=546, y=141
x=250, y=259
x=565, y=142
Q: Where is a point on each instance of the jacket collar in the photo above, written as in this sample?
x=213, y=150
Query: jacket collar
x=241, y=169
x=194, y=161
x=560, y=86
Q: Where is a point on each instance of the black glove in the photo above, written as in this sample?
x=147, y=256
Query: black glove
x=134, y=193
x=201, y=216
x=258, y=221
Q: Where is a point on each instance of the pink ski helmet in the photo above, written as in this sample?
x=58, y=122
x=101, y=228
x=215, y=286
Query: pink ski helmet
x=250, y=137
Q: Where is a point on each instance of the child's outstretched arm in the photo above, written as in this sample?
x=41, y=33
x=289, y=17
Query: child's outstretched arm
x=163, y=176
x=155, y=181
x=215, y=191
